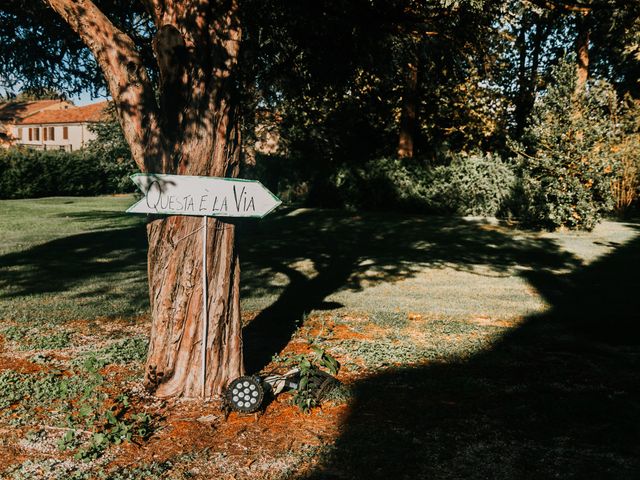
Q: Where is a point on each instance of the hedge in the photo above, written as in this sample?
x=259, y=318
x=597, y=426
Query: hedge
x=26, y=173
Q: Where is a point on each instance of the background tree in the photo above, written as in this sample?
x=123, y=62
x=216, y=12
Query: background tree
x=26, y=95
x=568, y=163
x=111, y=152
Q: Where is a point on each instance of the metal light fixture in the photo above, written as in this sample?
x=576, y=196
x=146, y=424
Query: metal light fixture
x=245, y=394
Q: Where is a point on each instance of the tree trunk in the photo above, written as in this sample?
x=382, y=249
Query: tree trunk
x=197, y=65
x=210, y=147
x=582, y=51
x=409, y=115
x=174, y=364
x=520, y=114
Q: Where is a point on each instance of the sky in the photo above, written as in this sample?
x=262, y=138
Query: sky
x=86, y=99
x=78, y=100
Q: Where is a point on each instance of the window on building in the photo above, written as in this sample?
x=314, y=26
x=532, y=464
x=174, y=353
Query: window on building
x=19, y=134
x=36, y=134
x=30, y=134
x=44, y=133
x=52, y=133
x=65, y=133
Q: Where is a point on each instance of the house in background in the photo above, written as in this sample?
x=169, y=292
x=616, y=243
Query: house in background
x=14, y=112
x=62, y=129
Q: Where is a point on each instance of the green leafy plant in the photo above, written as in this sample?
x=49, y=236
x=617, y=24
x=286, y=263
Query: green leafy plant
x=313, y=376
x=111, y=426
x=123, y=351
x=52, y=341
x=14, y=333
x=470, y=185
x=31, y=390
x=68, y=441
x=33, y=339
x=93, y=419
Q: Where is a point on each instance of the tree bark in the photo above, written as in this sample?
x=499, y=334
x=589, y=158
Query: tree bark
x=409, y=114
x=175, y=270
x=194, y=131
x=582, y=51
x=175, y=281
x=520, y=114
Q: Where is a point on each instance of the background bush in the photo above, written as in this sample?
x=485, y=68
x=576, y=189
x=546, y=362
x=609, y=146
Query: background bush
x=385, y=183
x=468, y=184
x=471, y=185
x=102, y=168
x=567, y=163
x=26, y=173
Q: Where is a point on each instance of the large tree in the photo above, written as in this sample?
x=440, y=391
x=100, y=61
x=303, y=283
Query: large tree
x=184, y=123
x=178, y=79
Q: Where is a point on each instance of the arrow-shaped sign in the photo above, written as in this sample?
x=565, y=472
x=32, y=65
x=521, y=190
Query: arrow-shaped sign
x=202, y=196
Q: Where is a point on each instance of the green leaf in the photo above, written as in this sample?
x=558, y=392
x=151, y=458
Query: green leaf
x=111, y=417
x=85, y=410
x=304, y=381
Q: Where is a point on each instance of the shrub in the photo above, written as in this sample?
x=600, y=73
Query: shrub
x=566, y=163
x=26, y=173
x=382, y=183
x=471, y=185
x=555, y=195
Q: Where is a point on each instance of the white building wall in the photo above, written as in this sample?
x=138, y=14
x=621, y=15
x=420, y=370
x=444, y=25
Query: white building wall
x=78, y=136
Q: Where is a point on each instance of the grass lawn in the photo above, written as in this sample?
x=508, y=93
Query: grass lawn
x=469, y=349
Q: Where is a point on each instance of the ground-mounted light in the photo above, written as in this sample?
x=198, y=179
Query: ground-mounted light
x=245, y=394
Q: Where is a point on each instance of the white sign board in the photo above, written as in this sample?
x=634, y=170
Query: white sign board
x=202, y=196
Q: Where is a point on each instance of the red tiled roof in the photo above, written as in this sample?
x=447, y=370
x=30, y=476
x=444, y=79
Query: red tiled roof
x=11, y=112
x=88, y=113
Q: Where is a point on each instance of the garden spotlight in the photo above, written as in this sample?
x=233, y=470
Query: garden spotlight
x=245, y=394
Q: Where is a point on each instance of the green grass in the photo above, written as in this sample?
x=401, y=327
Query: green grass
x=81, y=258
x=26, y=223
x=489, y=352
x=71, y=258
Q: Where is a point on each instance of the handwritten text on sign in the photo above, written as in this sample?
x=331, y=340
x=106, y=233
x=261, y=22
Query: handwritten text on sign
x=202, y=196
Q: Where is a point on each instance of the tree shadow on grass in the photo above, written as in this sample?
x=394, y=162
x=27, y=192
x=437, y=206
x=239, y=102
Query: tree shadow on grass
x=556, y=398
x=92, y=263
x=342, y=251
